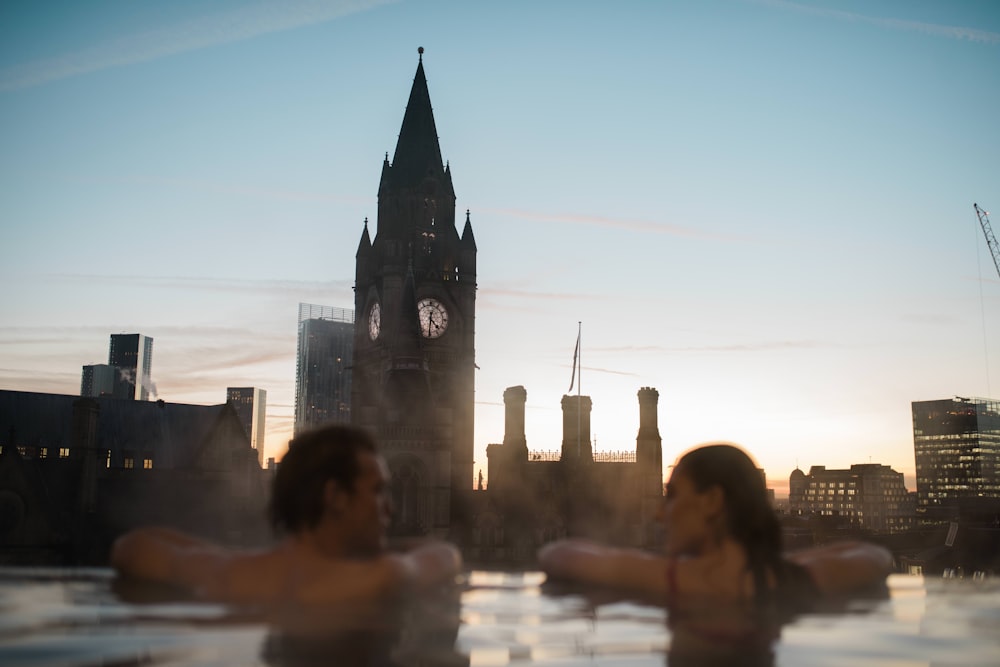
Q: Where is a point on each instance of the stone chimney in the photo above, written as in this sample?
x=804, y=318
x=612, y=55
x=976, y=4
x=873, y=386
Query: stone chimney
x=514, y=438
x=576, y=445
x=648, y=444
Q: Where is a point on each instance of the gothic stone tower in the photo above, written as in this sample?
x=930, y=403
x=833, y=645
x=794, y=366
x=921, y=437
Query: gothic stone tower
x=414, y=339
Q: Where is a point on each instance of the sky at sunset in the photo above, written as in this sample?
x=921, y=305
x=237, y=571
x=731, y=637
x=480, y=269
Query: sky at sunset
x=761, y=208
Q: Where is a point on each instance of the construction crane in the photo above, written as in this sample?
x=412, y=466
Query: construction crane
x=991, y=241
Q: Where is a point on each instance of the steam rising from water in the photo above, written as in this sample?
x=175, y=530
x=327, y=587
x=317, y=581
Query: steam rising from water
x=128, y=375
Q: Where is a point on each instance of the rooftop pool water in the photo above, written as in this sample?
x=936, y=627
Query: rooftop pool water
x=86, y=617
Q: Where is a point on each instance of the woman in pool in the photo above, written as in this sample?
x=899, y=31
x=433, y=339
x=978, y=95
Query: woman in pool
x=723, y=541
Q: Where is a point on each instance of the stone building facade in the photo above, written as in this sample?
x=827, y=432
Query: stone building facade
x=534, y=497
x=868, y=496
x=77, y=472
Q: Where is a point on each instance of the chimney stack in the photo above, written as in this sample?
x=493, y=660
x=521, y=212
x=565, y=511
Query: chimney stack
x=514, y=399
x=576, y=445
x=648, y=444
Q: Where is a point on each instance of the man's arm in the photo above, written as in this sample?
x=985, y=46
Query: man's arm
x=216, y=573
x=167, y=556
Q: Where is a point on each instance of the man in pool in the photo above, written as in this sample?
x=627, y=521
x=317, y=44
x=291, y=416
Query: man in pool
x=330, y=495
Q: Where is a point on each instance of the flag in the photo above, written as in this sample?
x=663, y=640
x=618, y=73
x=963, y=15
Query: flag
x=576, y=355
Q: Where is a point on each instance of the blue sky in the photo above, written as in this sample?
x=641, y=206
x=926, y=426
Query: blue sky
x=763, y=209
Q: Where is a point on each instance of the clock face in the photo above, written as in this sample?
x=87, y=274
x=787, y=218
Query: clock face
x=433, y=318
x=374, y=321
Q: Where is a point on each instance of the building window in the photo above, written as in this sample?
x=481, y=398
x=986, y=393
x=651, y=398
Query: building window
x=107, y=461
x=43, y=453
x=129, y=462
x=147, y=462
x=64, y=452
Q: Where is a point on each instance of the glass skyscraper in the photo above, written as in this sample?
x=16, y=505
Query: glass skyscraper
x=956, y=445
x=250, y=404
x=98, y=380
x=323, y=367
x=132, y=355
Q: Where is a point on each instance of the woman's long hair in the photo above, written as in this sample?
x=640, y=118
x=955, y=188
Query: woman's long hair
x=751, y=520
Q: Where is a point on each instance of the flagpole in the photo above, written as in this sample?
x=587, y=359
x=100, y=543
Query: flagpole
x=579, y=379
x=576, y=378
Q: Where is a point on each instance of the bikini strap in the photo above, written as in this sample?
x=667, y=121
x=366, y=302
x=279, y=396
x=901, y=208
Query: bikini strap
x=671, y=579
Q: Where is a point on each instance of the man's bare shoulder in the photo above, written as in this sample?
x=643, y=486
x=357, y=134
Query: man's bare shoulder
x=294, y=574
x=342, y=580
x=282, y=575
x=388, y=575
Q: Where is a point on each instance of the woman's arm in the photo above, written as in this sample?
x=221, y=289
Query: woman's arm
x=431, y=564
x=594, y=563
x=843, y=567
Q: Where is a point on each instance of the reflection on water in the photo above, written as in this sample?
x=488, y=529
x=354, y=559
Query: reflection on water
x=86, y=617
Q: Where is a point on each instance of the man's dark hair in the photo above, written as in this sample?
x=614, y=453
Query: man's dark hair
x=313, y=458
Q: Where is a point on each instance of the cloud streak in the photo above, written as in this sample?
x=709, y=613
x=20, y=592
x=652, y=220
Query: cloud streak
x=933, y=29
x=245, y=191
x=46, y=335
x=187, y=360
x=224, y=359
x=615, y=223
x=733, y=347
x=532, y=295
x=196, y=283
x=607, y=371
x=224, y=28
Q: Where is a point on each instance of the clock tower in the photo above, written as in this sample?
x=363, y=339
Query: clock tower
x=414, y=339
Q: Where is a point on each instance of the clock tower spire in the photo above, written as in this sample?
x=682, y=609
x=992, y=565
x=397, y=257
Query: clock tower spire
x=415, y=292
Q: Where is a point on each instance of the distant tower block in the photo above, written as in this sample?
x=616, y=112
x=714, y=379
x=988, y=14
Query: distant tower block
x=956, y=446
x=98, y=380
x=323, y=375
x=250, y=404
x=132, y=355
